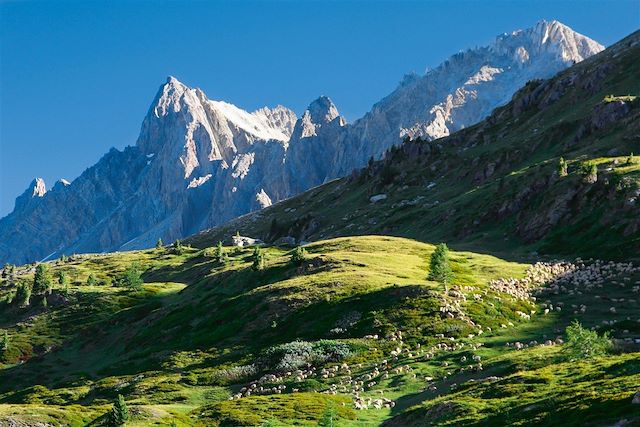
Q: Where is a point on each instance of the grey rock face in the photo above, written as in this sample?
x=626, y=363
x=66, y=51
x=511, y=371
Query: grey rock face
x=198, y=163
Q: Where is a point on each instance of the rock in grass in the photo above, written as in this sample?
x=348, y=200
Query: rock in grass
x=377, y=198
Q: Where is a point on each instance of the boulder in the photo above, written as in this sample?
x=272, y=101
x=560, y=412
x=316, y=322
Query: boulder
x=377, y=198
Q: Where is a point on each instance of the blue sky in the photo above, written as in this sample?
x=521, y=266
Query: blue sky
x=77, y=77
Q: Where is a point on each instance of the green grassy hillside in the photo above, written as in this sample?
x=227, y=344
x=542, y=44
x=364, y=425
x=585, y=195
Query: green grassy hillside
x=180, y=349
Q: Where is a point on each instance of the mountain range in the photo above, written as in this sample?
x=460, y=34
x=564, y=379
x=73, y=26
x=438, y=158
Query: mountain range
x=198, y=163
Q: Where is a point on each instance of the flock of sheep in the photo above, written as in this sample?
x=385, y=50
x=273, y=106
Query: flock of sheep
x=541, y=282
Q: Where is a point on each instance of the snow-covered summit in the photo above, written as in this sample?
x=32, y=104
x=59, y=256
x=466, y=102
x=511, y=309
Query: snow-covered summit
x=547, y=37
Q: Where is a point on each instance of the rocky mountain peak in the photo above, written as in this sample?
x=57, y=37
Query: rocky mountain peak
x=322, y=110
x=60, y=184
x=38, y=187
x=547, y=38
x=35, y=191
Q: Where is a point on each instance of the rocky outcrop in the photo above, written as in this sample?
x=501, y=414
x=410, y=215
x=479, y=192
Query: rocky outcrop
x=198, y=162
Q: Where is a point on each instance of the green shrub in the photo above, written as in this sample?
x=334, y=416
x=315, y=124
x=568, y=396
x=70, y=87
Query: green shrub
x=588, y=169
x=298, y=255
x=582, y=343
x=130, y=278
x=293, y=355
x=23, y=294
x=91, y=280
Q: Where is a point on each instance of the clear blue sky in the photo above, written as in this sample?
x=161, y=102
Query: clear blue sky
x=77, y=77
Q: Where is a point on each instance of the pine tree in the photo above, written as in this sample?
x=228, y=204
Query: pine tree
x=63, y=278
x=630, y=159
x=221, y=255
x=329, y=417
x=562, y=167
x=42, y=280
x=119, y=413
x=258, y=259
x=439, y=268
x=7, y=270
x=159, y=244
x=23, y=294
x=590, y=172
x=91, y=280
x=4, y=343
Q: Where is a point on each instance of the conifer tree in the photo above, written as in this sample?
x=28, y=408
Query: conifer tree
x=159, y=244
x=439, y=267
x=4, y=343
x=258, y=259
x=91, y=280
x=221, y=255
x=42, y=280
x=119, y=413
x=23, y=294
x=562, y=167
x=63, y=278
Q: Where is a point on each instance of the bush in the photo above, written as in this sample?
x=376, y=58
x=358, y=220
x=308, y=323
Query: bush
x=584, y=343
x=91, y=280
x=131, y=278
x=296, y=354
x=298, y=255
x=589, y=171
x=23, y=294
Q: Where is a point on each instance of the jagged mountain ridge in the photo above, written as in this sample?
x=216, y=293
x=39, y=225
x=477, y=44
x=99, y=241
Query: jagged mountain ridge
x=499, y=185
x=198, y=163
